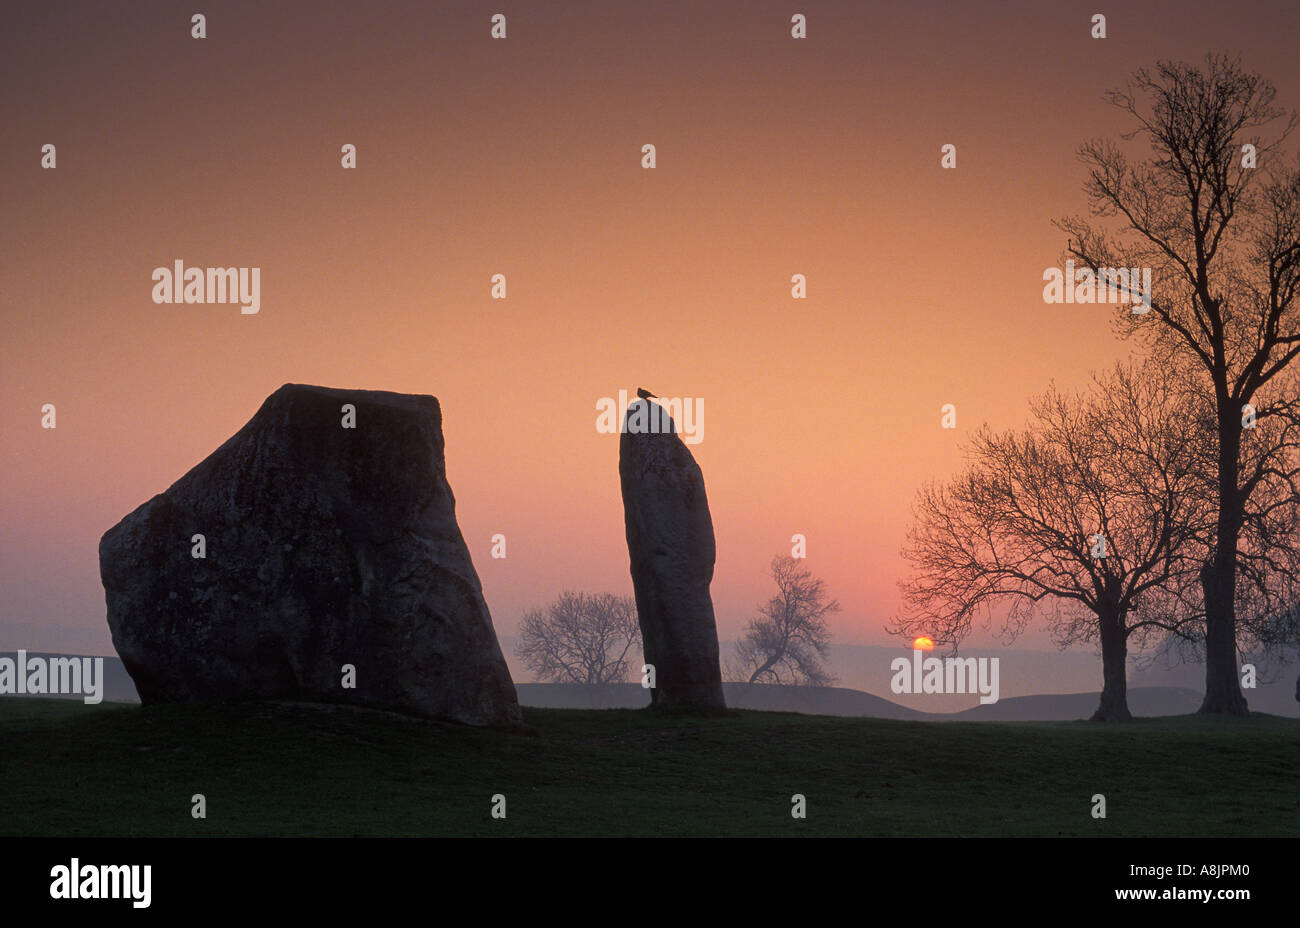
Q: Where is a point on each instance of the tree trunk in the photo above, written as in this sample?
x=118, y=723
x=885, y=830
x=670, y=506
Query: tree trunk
x=1114, y=670
x=771, y=662
x=1222, y=686
x=1219, y=581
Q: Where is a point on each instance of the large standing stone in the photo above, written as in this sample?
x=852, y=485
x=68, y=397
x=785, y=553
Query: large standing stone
x=670, y=542
x=325, y=546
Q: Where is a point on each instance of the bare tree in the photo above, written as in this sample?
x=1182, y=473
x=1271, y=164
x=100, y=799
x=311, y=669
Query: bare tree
x=1090, y=517
x=1214, y=212
x=1267, y=594
x=788, y=642
x=581, y=638
x=1268, y=556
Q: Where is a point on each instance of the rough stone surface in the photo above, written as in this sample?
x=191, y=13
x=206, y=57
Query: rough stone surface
x=671, y=546
x=325, y=546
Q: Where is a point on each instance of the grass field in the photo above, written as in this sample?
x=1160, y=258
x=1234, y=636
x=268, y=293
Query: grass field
x=117, y=770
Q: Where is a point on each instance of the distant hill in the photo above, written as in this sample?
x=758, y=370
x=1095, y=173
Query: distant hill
x=573, y=696
x=816, y=700
x=810, y=700
x=1027, y=672
x=1147, y=701
x=1144, y=701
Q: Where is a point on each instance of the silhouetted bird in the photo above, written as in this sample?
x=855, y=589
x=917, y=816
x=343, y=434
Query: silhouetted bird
x=645, y=394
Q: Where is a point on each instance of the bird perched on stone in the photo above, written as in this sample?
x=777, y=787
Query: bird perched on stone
x=645, y=394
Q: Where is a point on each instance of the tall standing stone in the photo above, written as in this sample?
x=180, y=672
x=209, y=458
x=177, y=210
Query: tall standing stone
x=671, y=547
x=324, y=545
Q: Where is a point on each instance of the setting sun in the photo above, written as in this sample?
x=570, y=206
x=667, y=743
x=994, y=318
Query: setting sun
x=923, y=643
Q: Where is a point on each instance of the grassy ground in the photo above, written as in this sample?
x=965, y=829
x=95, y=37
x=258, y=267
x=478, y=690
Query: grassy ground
x=70, y=769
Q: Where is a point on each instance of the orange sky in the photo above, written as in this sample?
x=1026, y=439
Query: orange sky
x=522, y=157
